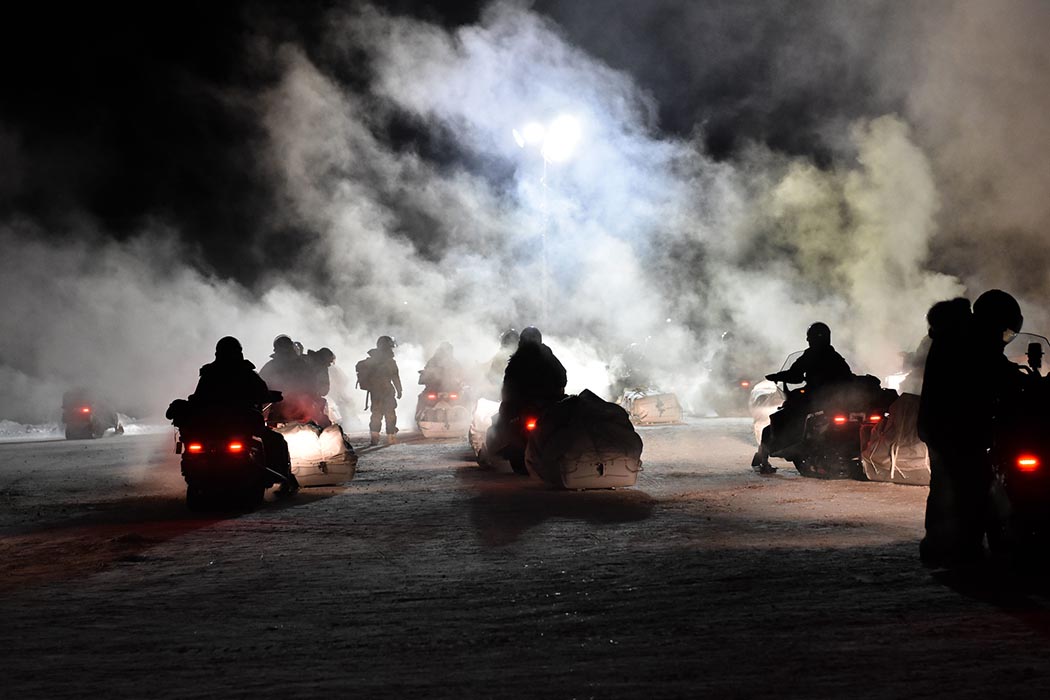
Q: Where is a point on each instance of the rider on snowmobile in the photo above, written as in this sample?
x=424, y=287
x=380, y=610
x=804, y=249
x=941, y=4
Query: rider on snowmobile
x=819, y=366
x=231, y=382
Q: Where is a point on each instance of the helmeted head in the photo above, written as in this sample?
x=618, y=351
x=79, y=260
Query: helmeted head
x=530, y=336
x=385, y=342
x=326, y=356
x=948, y=316
x=283, y=343
x=995, y=311
x=229, y=348
x=818, y=335
x=444, y=350
x=298, y=347
x=508, y=338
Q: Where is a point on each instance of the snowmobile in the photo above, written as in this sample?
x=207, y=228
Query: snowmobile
x=1019, y=498
x=223, y=460
x=508, y=437
x=442, y=414
x=86, y=418
x=728, y=396
x=823, y=435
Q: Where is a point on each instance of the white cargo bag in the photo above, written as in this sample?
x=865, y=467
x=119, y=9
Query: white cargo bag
x=319, y=457
x=651, y=407
x=894, y=451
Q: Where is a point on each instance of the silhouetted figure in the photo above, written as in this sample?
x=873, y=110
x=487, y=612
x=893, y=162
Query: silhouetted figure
x=533, y=376
x=319, y=382
x=819, y=367
x=966, y=374
x=508, y=343
x=288, y=372
x=379, y=376
x=230, y=382
x=442, y=372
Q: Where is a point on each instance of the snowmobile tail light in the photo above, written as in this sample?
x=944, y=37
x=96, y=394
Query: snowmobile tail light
x=745, y=384
x=874, y=418
x=453, y=396
x=432, y=397
x=840, y=420
x=194, y=447
x=235, y=447
x=85, y=410
x=530, y=424
x=1028, y=463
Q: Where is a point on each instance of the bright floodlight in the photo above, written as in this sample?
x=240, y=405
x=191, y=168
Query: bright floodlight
x=561, y=139
x=534, y=133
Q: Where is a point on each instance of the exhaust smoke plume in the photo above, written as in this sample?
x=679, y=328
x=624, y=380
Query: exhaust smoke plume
x=416, y=214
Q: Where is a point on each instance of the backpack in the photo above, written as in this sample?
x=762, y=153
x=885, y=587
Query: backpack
x=366, y=370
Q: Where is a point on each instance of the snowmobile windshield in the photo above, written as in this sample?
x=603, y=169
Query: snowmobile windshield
x=1023, y=348
x=787, y=365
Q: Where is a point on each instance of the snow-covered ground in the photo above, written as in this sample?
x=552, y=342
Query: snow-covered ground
x=426, y=576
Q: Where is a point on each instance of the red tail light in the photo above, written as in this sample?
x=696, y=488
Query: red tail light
x=453, y=396
x=745, y=384
x=235, y=447
x=874, y=418
x=432, y=397
x=530, y=424
x=85, y=410
x=194, y=447
x=840, y=420
x=1027, y=463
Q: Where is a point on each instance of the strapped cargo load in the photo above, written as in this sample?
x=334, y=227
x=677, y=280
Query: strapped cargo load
x=584, y=442
x=319, y=457
x=893, y=451
x=651, y=407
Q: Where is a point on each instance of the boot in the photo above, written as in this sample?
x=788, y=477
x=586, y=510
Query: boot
x=391, y=439
x=374, y=441
x=760, y=462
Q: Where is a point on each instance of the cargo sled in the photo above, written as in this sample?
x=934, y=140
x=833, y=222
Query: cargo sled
x=319, y=457
x=893, y=451
x=651, y=407
x=583, y=442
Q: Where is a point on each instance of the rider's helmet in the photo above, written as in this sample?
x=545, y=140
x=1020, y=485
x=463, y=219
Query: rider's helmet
x=530, y=335
x=997, y=311
x=298, y=347
x=326, y=356
x=508, y=338
x=385, y=342
x=818, y=334
x=228, y=348
x=283, y=343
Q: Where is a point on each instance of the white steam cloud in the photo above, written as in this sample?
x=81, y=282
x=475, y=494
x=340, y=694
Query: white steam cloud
x=648, y=236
